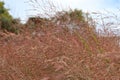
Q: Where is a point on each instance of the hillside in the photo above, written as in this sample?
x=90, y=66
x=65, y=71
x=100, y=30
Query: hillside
x=66, y=46
x=54, y=53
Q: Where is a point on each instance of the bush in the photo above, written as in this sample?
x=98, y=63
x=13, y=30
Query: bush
x=71, y=15
x=6, y=19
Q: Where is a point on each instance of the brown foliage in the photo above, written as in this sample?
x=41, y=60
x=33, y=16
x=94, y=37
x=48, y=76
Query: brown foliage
x=54, y=53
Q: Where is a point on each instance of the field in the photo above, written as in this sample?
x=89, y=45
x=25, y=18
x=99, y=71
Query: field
x=50, y=51
x=65, y=46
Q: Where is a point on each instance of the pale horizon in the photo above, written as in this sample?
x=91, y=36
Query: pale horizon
x=19, y=9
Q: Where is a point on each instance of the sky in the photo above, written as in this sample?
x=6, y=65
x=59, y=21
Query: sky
x=21, y=8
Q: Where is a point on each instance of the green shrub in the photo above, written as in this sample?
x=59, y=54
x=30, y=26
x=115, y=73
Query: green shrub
x=6, y=19
x=76, y=15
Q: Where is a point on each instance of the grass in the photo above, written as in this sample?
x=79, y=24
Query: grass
x=58, y=55
x=52, y=52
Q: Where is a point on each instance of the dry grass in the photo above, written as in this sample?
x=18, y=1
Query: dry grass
x=51, y=51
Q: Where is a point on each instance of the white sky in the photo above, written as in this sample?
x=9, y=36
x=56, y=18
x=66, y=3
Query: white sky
x=18, y=8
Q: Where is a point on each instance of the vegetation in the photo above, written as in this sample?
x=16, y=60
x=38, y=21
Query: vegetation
x=49, y=49
x=6, y=19
x=70, y=15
